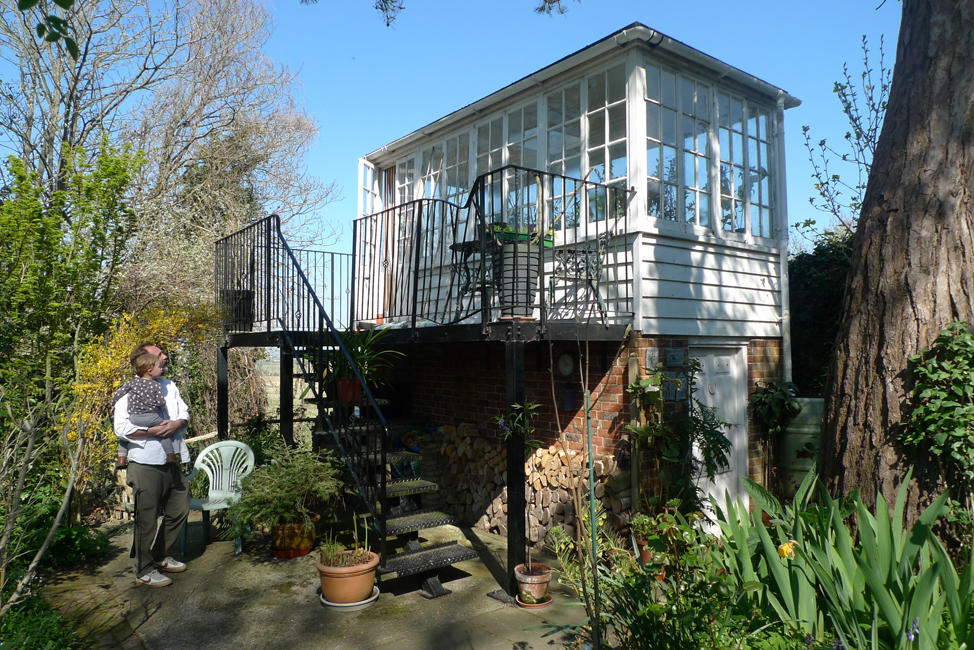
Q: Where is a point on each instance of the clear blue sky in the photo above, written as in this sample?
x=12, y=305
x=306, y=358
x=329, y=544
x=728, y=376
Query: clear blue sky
x=367, y=84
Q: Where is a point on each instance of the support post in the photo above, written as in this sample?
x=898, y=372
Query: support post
x=516, y=502
x=286, y=375
x=222, y=392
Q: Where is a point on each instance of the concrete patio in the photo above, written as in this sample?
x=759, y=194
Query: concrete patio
x=254, y=601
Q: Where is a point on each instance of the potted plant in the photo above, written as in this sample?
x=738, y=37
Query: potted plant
x=642, y=528
x=532, y=577
x=371, y=361
x=282, y=497
x=347, y=575
x=516, y=265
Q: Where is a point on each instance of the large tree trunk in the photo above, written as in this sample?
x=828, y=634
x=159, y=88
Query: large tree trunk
x=913, y=259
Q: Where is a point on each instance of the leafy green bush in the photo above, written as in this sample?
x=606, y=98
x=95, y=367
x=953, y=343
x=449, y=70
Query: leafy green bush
x=75, y=546
x=31, y=624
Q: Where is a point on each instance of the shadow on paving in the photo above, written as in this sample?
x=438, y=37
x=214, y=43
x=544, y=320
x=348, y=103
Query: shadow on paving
x=255, y=601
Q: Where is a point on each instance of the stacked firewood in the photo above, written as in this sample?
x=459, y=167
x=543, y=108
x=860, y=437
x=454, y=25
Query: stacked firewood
x=474, y=484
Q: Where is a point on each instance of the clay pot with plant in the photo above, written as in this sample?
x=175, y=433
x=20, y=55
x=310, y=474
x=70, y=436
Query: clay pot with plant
x=532, y=577
x=347, y=575
x=642, y=527
x=284, y=496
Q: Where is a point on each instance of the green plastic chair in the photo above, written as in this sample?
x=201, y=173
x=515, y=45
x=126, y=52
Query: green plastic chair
x=226, y=463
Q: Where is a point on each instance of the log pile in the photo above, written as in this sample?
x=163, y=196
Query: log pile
x=474, y=484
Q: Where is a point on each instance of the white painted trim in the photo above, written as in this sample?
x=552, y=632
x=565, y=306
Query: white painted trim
x=781, y=213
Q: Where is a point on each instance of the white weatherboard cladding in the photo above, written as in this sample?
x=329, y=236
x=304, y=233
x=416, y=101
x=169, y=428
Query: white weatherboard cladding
x=694, y=288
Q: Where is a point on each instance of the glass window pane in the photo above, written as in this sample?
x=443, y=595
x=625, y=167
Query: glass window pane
x=686, y=131
x=756, y=222
x=737, y=115
x=652, y=82
x=737, y=148
x=483, y=164
x=483, y=139
x=463, y=175
x=764, y=149
x=555, y=112
x=617, y=84
x=531, y=121
x=596, y=128
x=669, y=89
x=765, y=197
x=617, y=160
x=596, y=162
x=686, y=95
x=752, y=124
x=669, y=127
x=702, y=137
x=739, y=215
x=617, y=122
x=555, y=144
x=690, y=206
x=451, y=152
x=723, y=108
x=596, y=91
x=669, y=202
x=727, y=215
x=723, y=137
x=703, y=173
x=573, y=138
x=766, y=223
x=497, y=133
x=726, y=180
x=689, y=169
x=669, y=164
x=573, y=167
x=703, y=207
x=652, y=121
x=464, y=148
x=653, y=198
x=514, y=126
x=752, y=150
x=530, y=153
x=573, y=102
x=514, y=154
x=703, y=102
x=765, y=125
x=652, y=160
x=556, y=168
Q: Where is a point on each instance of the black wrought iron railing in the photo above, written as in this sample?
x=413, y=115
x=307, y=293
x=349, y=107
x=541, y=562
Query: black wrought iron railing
x=260, y=279
x=526, y=244
x=257, y=280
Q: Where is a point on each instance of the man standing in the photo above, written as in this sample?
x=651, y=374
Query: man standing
x=158, y=487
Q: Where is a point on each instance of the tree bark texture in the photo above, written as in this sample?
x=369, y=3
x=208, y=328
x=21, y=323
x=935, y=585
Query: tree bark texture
x=913, y=258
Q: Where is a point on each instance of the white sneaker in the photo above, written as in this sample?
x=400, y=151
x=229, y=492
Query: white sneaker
x=154, y=579
x=170, y=565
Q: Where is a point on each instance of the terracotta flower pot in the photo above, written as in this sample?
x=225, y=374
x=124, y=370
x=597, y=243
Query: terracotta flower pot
x=645, y=555
x=349, y=390
x=291, y=540
x=532, y=586
x=348, y=584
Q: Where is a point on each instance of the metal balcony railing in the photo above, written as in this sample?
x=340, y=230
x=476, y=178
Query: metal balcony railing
x=526, y=244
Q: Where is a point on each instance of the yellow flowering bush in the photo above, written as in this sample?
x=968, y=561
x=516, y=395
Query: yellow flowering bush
x=103, y=367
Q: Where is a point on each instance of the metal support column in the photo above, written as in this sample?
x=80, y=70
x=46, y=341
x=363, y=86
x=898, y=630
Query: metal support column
x=222, y=392
x=287, y=394
x=516, y=502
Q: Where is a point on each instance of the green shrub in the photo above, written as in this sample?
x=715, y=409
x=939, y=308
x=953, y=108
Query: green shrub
x=32, y=624
x=75, y=546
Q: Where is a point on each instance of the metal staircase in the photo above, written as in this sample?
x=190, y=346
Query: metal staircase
x=264, y=290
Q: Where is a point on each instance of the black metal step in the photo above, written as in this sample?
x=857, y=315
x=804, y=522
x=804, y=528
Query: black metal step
x=396, y=456
x=404, y=486
x=418, y=520
x=428, y=558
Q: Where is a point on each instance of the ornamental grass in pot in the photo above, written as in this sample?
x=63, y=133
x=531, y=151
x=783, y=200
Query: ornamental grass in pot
x=284, y=496
x=347, y=575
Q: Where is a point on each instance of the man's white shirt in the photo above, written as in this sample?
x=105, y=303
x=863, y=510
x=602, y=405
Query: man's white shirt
x=148, y=451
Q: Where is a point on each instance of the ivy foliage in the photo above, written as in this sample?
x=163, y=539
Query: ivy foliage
x=817, y=280
x=942, y=419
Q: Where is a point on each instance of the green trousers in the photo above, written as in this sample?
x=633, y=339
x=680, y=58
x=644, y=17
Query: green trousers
x=159, y=490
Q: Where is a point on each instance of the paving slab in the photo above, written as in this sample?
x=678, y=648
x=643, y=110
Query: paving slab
x=255, y=601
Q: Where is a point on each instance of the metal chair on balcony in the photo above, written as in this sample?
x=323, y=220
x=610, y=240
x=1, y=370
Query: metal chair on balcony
x=581, y=267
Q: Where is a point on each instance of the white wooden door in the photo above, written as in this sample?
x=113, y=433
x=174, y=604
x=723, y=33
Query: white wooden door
x=722, y=384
